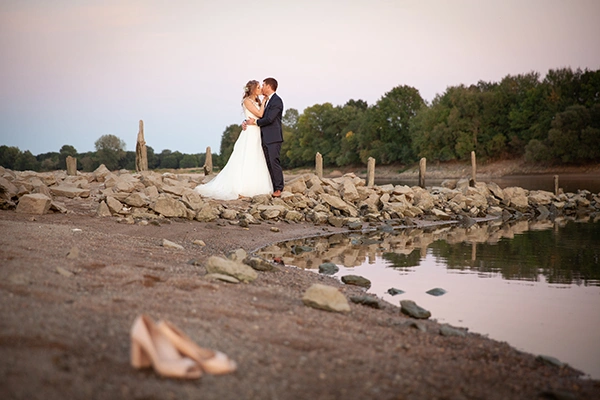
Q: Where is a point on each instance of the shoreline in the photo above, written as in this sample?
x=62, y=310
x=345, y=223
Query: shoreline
x=73, y=282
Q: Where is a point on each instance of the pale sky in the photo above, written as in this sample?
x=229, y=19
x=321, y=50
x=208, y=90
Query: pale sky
x=74, y=70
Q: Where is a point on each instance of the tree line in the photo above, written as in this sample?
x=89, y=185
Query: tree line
x=554, y=120
x=110, y=151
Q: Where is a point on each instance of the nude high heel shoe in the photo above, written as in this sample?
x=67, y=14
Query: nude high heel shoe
x=211, y=361
x=150, y=347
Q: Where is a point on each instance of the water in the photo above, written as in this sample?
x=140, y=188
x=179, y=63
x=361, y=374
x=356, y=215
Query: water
x=570, y=183
x=535, y=285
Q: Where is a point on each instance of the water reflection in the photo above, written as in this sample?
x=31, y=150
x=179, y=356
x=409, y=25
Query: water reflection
x=534, y=284
x=559, y=251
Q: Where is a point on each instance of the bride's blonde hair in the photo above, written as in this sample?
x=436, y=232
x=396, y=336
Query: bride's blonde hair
x=249, y=90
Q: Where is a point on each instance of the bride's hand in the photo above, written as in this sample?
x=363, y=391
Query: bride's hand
x=251, y=121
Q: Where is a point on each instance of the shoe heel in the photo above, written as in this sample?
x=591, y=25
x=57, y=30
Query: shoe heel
x=139, y=358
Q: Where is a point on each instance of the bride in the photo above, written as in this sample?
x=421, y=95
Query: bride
x=246, y=173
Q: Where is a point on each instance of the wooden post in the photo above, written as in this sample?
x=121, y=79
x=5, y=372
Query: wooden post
x=422, y=169
x=556, y=185
x=473, y=169
x=141, y=153
x=71, y=166
x=319, y=165
x=208, y=164
x=370, y=172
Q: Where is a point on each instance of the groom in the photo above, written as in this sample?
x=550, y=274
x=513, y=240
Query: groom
x=271, y=133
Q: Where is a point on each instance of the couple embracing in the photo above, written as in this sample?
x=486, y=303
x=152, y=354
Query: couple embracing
x=254, y=167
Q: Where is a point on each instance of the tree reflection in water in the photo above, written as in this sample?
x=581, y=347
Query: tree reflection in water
x=563, y=251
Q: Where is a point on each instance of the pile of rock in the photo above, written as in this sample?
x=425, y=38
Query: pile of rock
x=344, y=201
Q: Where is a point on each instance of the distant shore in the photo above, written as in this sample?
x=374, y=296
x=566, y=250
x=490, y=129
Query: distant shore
x=456, y=170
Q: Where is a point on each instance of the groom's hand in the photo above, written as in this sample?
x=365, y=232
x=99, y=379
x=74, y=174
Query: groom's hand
x=244, y=125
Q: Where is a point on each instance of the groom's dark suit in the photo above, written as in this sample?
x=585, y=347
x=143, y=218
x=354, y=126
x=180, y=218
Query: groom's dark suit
x=271, y=134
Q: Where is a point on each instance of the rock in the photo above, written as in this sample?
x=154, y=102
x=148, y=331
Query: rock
x=355, y=225
x=103, y=210
x=394, y=291
x=366, y=301
x=446, y=330
x=237, y=255
x=339, y=204
x=100, y=173
x=294, y=216
x=436, y=292
x=348, y=191
x=540, y=198
x=222, y=277
x=199, y=242
x=259, y=264
x=218, y=265
x=69, y=191
x=328, y=268
x=270, y=212
x=297, y=185
x=326, y=298
x=59, y=207
x=64, y=272
x=207, y=213
x=274, y=229
x=417, y=325
x=550, y=360
x=7, y=189
x=169, y=207
x=34, y=204
x=137, y=200
x=411, y=309
x=192, y=200
x=356, y=281
x=229, y=214
x=73, y=253
x=114, y=205
x=441, y=214
x=338, y=222
x=171, y=245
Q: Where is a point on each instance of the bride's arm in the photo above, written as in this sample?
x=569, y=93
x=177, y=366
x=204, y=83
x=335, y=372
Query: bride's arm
x=250, y=105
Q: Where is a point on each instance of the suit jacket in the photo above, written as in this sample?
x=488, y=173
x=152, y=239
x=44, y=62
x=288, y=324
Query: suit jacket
x=270, y=124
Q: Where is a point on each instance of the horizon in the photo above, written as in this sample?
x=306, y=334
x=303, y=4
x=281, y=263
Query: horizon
x=77, y=72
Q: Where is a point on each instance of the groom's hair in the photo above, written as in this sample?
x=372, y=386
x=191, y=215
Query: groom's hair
x=271, y=82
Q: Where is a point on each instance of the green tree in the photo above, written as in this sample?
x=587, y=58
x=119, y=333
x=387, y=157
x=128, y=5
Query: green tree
x=228, y=139
x=65, y=151
x=26, y=162
x=109, y=151
x=385, y=134
x=188, y=161
x=8, y=156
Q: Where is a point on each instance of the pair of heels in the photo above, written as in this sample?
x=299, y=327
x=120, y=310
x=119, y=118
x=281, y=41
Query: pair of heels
x=173, y=354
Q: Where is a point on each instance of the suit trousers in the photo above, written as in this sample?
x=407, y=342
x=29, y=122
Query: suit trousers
x=272, y=151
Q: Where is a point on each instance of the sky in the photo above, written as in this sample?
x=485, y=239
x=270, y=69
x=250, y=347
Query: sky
x=74, y=70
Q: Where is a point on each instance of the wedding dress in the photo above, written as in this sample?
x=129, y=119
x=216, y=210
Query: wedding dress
x=246, y=172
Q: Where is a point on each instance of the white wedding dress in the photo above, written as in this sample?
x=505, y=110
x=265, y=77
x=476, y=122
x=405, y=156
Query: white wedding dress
x=246, y=173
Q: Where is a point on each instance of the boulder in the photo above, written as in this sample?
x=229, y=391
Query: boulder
x=326, y=298
x=169, y=207
x=34, y=204
x=69, y=191
x=356, y=281
x=339, y=204
x=219, y=265
x=348, y=190
x=100, y=173
x=411, y=309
